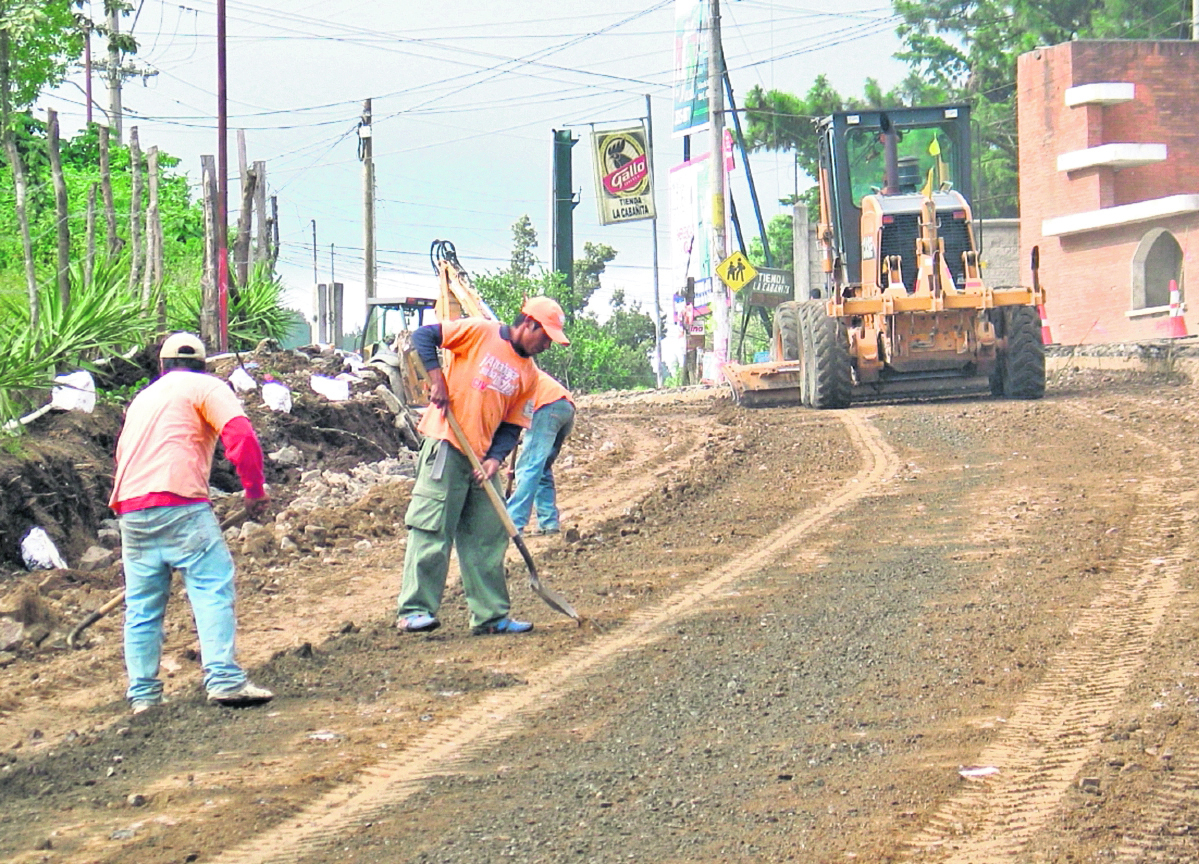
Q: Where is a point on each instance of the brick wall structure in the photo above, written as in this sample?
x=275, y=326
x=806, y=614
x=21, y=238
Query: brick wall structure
x=1109, y=185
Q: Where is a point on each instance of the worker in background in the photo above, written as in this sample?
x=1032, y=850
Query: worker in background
x=489, y=383
x=160, y=492
x=553, y=418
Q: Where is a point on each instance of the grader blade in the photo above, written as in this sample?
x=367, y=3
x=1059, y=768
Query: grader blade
x=760, y=385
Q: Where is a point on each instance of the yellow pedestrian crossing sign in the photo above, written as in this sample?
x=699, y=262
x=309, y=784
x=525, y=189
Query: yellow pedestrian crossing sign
x=736, y=271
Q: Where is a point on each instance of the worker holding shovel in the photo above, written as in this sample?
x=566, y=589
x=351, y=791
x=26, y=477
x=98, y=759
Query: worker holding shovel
x=160, y=492
x=489, y=383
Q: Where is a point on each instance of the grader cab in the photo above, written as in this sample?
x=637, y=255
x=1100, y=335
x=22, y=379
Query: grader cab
x=904, y=308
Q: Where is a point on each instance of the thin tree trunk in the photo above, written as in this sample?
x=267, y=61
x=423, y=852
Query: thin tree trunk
x=262, y=241
x=89, y=263
x=209, y=319
x=274, y=231
x=135, y=209
x=22, y=192
x=149, y=283
x=110, y=209
x=60, y=207
x=241, y=246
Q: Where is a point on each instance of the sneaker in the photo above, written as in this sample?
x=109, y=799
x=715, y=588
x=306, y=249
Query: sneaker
x=504, y=625
x=247, y=693
x=418, y=622
x=140, y=706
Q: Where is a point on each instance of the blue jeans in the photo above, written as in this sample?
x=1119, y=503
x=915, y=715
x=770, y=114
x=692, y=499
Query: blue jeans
x=535, y=466
x=154, y=542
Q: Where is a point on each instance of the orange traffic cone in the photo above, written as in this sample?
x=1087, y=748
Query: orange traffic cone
x=1046, y=337
x=1178, y=325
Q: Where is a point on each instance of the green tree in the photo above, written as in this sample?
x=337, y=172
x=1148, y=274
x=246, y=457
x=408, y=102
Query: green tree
x=782, y=247
x=524, y=241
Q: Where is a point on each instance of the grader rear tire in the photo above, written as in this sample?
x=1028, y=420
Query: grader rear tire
x=831, y=372
x=1024, y=360
x=786, y=325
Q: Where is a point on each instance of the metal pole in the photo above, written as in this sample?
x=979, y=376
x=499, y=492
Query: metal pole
x=723, y=334
x=222, y=175
x=649, y=141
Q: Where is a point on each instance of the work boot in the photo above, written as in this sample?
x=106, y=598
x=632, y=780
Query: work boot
x=140, y=706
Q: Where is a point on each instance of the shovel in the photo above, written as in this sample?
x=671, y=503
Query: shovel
x=119, y=598
x=552, y=598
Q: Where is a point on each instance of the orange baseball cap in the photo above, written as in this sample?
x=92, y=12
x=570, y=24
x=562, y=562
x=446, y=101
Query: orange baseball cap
x=546, y=312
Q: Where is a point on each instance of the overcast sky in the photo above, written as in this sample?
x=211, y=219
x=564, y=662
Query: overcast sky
x=465, y=96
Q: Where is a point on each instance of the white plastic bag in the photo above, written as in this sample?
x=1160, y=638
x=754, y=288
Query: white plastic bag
x=330, y=388
x=39, y=552
x=276, y=396
x=242, y=381
x=74, y=392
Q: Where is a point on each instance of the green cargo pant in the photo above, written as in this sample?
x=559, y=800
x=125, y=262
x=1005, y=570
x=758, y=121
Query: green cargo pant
x=453, y=511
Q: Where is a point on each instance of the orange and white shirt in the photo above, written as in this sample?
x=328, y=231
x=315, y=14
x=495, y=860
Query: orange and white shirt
x=488, y=383
x=170, y=435
x=549, y=389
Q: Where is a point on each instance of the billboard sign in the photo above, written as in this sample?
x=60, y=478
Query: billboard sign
x=691, y=83
x=624, y=187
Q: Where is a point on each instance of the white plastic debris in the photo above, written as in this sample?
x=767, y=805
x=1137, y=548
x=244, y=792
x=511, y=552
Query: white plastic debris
x=242, y=381
x=978, y=772
x=39, y=552
x=330, y=388
x=276, y=396
x=74, y=392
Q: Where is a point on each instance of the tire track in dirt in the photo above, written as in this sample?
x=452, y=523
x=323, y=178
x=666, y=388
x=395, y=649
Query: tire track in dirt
x=501, y=715
x=1058, y=726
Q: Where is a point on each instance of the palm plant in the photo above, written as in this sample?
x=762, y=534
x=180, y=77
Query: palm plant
x=256, y=310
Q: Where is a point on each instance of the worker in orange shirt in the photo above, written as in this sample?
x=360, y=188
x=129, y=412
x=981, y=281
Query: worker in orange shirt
x=489, y=382
x=160, y=491
x=553, y=418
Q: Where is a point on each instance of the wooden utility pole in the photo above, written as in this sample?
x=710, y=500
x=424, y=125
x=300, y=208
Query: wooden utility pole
x=222, y=171
x=60, y=208
x=366, y=153
x=114, y=72
x=87, y=68
x=722, y=338
x=135, y=209
x=110, y=208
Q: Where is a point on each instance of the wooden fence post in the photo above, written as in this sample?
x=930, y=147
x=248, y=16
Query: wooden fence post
x=110, y=209
x=60, y=208
x=135, y=209
x=209, y=315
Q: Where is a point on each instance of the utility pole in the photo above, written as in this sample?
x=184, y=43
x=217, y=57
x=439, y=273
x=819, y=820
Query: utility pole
x=222, y=167
x=115, y=71
x=720, y=304
x=649, y=140
x=366, y=154
x=87, y=66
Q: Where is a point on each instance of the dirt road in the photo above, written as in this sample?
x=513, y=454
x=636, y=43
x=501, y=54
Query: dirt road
x=960, y=631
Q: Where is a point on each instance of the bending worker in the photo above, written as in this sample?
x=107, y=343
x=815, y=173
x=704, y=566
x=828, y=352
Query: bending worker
x=489, y=383
x=160, y=492
x=553, y=418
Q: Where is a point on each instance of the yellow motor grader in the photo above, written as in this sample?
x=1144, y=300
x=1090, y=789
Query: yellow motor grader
x=904, y=309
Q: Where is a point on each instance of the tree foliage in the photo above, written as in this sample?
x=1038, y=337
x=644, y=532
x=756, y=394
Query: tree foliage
x=609, y=355
x=41, y=38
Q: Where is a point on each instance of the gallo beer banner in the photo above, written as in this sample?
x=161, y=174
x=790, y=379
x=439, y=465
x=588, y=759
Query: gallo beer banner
x=623, y=185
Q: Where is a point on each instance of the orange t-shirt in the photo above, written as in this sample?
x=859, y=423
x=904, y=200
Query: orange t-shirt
x=170, y=435
x=549, y=390
x=489, y=384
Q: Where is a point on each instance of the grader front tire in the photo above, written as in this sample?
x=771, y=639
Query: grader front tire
x=832, y=369
x=1024, y=360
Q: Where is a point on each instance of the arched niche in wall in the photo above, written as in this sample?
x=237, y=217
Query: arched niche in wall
x=1158, y=259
